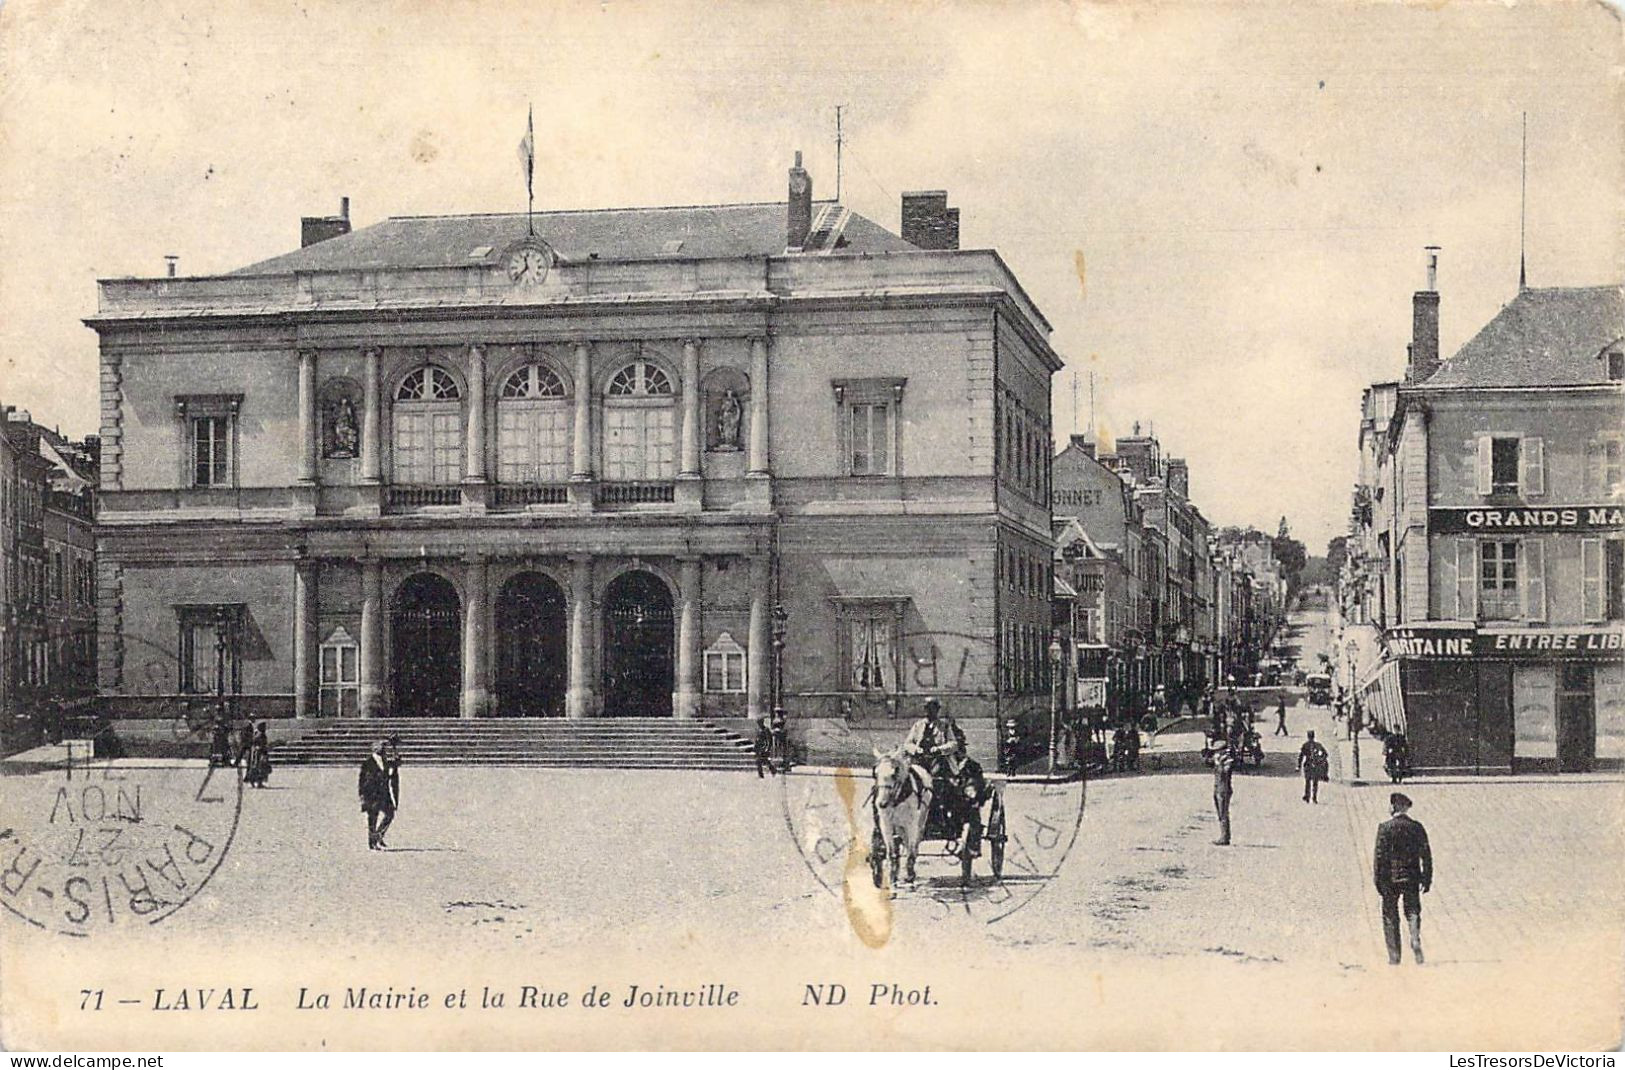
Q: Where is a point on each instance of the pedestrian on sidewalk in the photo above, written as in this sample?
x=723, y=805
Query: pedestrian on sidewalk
x=1224, y=765
x=1280, y=719
x=1315, y=764
x=257, y=763
x=1402, y=867
x=764, y=747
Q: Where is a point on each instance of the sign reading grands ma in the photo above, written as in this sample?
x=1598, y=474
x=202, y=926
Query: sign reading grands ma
x=1503, y=520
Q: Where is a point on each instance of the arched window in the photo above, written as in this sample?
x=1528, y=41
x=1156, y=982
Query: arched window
x=428, y=423
x=533, y=427
x=640, y=440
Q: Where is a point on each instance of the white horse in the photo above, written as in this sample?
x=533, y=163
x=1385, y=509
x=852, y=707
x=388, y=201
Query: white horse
x=902, y=799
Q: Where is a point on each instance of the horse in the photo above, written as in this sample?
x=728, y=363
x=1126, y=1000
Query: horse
x=902, y=800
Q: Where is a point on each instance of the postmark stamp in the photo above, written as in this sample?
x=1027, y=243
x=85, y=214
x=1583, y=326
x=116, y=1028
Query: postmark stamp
x=104, y=845
x=829, y=814
x=90, y=845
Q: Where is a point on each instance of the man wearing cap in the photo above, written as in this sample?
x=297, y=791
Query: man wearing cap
x=1224, y=765
x=936, y=746
x=1315, y=764
x=1402, y=868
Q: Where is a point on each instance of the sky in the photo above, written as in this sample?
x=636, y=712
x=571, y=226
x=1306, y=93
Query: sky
x=1221, y=208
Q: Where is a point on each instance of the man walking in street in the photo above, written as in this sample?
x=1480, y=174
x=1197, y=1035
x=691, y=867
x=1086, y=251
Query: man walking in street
x=1224, y=765
x=1280, y=719
x=1402, y=868
x=1315, y=764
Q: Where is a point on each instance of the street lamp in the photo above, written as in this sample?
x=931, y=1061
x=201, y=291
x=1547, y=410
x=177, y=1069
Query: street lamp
x=220, y=659
x=781, y=624
x=1055, y=674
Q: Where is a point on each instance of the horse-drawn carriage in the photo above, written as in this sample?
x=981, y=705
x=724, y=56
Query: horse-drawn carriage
x=909, y=808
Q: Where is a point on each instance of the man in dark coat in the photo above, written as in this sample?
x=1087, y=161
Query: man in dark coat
x=1224, y=766
x=764, y=747
x=1402, y=869
x=1280, y=719
x=379, y=788
x=1315, y=764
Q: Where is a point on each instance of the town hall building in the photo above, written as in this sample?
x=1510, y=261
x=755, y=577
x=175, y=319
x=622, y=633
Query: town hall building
x=587, y=465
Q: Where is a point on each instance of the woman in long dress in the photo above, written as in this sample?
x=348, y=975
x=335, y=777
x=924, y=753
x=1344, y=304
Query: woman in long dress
x=259, y=758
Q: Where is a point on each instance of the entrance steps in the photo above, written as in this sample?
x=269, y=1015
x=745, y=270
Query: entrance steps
x=599, y=743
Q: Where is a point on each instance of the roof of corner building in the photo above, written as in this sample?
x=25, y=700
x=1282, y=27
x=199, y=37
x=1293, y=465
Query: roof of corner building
x=1545, y=337
x=705, y=232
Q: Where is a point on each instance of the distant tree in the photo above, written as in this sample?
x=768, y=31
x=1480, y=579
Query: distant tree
x=1337, y=552
x=1290, y=555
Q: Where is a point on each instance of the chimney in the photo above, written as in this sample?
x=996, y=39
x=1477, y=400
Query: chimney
x=800, y=211
x=313, y=229
x=171, y=261
x=1086, y=443
x=928, y=222
x=1424, y=359
x=1179, y=476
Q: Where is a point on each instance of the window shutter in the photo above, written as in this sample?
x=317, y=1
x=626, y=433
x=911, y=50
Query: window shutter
x=1466, y=579
x=1533, y=587
x=1486, y=467
x=1596, y=461
x=1532, y=454
x=1591, y=579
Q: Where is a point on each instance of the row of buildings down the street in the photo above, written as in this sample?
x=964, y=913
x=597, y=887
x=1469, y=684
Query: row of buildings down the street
x=1483, y=598
x=1154, y=603
x=47, y=578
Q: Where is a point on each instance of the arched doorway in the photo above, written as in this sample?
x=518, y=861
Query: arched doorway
x=426, y=640
x=638, y=647
x=532, y=655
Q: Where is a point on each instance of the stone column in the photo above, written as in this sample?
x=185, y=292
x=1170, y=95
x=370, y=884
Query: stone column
x=690, y=456
x=578, y=697
x=581, y=455
x=759, y=644
x=304, y=638
x=371, y=421
x=759, y=464
x=685, y=698
x=307, y=416
x=371, y=698
x=476, y=695
x=474, y=447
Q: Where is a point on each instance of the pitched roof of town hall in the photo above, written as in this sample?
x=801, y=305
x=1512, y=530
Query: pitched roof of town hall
x=1542, y=337
x=691, y=232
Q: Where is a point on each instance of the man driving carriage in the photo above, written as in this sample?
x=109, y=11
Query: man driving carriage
x=936, y=747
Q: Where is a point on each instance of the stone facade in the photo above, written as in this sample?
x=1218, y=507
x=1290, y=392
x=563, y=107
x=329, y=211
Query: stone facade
x=432, y=486
x=1483, y=595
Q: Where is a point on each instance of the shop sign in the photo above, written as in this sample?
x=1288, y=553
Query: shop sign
x=1535, y=644
x=1429, y=642
x=1092, y=693
x=1504, y=644
x=1515, y=520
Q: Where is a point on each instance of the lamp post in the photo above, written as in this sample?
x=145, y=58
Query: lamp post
x=781, y=731
x=220, y=620
x=1055, y=674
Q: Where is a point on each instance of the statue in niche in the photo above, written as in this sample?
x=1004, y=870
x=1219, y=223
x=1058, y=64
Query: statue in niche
x=343, y=435
x=729, y=417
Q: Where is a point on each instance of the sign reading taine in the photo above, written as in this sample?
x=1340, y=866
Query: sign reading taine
x=1455, y=520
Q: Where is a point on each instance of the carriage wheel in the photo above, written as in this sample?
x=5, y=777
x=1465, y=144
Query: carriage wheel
x=877, y=859
x=996, y=837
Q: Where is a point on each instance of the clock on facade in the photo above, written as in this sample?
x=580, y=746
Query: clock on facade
x=529, y=261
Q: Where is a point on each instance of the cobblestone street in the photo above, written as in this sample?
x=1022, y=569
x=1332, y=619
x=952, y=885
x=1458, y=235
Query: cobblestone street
x=519, y=867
